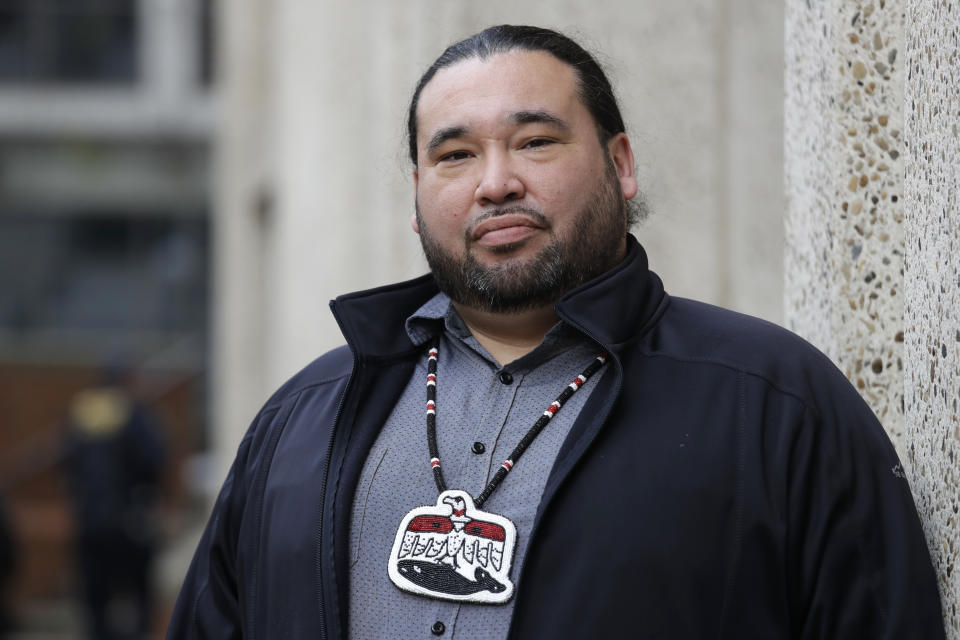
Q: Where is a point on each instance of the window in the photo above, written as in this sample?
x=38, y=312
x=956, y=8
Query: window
x=208, y=42
x=103, y=272
x=68, y=41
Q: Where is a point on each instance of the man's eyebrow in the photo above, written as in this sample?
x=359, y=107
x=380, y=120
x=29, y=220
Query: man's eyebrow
x=543, y=117
x=442, y=135
x=517, y=117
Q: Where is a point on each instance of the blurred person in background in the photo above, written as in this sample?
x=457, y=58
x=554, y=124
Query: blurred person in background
x=114, y=456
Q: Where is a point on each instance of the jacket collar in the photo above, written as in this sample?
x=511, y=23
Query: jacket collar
x=616, y=307
x=620, y=305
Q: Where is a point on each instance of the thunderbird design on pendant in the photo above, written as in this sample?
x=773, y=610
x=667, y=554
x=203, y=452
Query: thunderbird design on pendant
x=454, y=551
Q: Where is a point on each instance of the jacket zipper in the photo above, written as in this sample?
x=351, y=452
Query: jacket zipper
x=602, y=418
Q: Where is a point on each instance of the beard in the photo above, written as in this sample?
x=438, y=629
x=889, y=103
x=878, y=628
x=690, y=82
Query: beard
x=590, y=247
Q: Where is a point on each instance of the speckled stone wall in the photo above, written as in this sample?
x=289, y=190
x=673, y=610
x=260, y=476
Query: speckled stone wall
x=872, y=253
x=932, y=283
x=844, y=174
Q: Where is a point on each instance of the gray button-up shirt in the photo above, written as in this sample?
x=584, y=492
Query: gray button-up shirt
x=475, y=403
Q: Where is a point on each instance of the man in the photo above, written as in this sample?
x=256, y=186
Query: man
x=113, y=459
x=704, y=474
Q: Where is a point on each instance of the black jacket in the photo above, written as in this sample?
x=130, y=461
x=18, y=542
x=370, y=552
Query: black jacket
x=724, y=480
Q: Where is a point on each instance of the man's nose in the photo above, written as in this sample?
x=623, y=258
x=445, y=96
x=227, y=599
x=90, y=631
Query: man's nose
x=499, y=181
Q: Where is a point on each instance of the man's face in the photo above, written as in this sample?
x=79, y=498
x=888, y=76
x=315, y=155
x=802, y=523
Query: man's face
x=517, y=199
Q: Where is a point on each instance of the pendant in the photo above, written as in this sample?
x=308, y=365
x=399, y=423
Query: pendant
x=454, y=551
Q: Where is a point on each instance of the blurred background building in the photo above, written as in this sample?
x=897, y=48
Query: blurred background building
x=185, y=184
x=106, y=121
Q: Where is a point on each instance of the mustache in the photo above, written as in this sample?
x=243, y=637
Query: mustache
x=530, y=212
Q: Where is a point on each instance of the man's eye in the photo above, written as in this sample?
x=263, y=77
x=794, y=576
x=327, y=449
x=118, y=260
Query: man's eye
x=454, y=156
x=537, y=143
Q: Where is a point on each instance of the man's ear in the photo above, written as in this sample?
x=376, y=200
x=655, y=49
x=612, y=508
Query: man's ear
x=413, y=216
x=622, y=156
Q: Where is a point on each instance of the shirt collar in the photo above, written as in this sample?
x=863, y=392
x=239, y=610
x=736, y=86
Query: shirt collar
x=438, y=314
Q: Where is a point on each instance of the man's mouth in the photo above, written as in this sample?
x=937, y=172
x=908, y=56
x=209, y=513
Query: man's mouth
x=504, y=229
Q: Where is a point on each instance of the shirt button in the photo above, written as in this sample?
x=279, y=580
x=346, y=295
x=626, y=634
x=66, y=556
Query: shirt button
x=438, y=628
x=506, y=378
x=478, y=448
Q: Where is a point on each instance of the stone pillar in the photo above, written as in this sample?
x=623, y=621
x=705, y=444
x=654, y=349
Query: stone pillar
x=241, y=225
x=844, y=182
x=932, y=283
x=873, y=231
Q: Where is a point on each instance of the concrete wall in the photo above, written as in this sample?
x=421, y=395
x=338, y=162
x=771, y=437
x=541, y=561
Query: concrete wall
x=873, y=232
x=241, y=225
x=844, y=182
x=314, y=189
x=932, y=283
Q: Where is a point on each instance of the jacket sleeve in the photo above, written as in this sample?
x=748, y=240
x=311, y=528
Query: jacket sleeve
x=857, y=552
x=210, y=605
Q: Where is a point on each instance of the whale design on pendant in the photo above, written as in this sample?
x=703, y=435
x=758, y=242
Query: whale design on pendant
x=454, y=551
x=446, y=579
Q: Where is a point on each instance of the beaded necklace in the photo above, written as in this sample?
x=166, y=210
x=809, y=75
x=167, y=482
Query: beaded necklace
x=452, y=550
